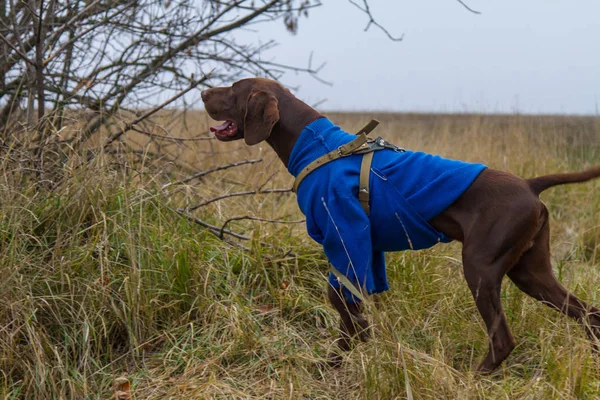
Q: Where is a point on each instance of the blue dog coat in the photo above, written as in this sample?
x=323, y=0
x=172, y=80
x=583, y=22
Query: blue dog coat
x=407, y=189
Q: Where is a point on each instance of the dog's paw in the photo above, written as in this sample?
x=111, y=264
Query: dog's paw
x=362, y=329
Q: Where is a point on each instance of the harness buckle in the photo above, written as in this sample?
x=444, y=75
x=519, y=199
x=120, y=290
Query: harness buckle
x=383, y=144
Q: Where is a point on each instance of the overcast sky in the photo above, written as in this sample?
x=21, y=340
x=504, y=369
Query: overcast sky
x=533, y=56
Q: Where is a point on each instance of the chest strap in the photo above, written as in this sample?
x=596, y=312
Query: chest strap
x=358, y=145
x=342, y=151
x=363, y=181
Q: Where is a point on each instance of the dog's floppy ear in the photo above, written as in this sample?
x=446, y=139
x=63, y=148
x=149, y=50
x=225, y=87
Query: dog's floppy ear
x=261, y=115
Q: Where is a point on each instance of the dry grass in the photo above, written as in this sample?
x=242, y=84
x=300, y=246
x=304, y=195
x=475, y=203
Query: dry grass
x=102, y=279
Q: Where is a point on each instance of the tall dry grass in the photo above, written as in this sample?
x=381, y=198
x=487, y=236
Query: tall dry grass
x=101, y=279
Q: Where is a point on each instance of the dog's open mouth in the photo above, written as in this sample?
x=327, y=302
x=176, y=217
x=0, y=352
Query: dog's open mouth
x=226, y=130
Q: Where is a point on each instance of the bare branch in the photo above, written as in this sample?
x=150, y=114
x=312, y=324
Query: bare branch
x=16, y=50
x=365, y=8
x=468, y=8
x=220, y=232
x=211, y=228
x=210, y=171
x=237, y=194
x=248, y=217
x=171, y=138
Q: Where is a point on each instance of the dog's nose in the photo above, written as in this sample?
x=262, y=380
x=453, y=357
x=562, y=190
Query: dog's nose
x=203, y=94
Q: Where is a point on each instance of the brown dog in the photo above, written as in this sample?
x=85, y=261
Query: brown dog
x=518, y=245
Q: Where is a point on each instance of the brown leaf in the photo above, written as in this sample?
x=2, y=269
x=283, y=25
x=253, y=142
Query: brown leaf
x=122, y=388
x=265, y=308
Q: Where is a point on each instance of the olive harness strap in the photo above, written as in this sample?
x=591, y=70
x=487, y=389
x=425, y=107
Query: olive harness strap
x=360, y=145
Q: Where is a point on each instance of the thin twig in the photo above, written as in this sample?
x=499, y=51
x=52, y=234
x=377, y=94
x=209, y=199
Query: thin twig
x=16, y=50
x=468, y=8
x=217, y=232
x=365, y=8
x=209, y=171
x=211, y=228
x=243, y=217
x=236, y=194
x=268, y=179
x=175, y=139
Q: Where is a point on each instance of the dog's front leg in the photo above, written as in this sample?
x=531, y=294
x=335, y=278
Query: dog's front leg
x=353, y=323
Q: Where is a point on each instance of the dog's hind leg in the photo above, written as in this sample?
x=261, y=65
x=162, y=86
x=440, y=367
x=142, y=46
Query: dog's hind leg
x=485, y=281
x=533, y=275
x=493, y=244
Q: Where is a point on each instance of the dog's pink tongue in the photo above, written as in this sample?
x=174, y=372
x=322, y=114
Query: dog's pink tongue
x=221, y=127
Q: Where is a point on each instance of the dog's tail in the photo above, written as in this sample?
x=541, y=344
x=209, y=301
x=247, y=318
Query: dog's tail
x=541, y=183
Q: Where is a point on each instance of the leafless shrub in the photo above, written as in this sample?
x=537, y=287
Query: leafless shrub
x=109, y=60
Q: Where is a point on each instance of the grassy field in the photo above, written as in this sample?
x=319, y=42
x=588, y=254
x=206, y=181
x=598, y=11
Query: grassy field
x=102, y=280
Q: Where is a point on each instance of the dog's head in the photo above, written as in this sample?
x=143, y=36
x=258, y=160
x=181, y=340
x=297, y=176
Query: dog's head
x=249, y=108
